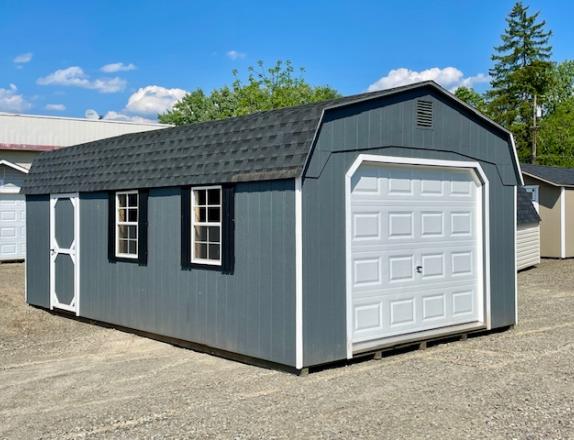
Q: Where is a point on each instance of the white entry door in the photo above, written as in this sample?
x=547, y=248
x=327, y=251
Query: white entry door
x=64, y=252
x=12, y=227
x=416, y=249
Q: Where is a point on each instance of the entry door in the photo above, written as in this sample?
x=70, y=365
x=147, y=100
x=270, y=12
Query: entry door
x=416, y=249
x=64, y=252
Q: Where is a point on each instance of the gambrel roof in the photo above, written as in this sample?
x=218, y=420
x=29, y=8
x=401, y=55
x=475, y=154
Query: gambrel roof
x=262, y=146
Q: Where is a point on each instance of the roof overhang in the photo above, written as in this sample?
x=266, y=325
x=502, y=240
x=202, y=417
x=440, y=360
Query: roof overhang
x=14, y=166
x=534, y=176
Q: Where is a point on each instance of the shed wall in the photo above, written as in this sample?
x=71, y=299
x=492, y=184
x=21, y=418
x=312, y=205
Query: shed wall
x=38, y=250
x=390, y=130
x=250, y=312
x=549, y=211
x=527, y=246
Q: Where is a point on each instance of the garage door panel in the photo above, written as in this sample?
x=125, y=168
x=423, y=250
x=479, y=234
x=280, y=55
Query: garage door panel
x=415, y=238
x=397, y=314
x=451, y=264
x=12, y=226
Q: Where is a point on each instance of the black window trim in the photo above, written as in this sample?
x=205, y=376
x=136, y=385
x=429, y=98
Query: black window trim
x=227, y=233
x=143, y=195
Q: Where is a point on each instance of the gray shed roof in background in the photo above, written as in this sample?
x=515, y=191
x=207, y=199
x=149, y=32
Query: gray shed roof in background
x=525, y=211
x=553, y=175
x=261, y=146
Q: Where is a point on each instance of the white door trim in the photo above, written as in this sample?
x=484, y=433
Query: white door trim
x=485, y=234
x=74, y=252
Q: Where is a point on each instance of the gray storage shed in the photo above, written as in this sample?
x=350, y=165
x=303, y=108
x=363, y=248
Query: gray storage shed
x=298, y=236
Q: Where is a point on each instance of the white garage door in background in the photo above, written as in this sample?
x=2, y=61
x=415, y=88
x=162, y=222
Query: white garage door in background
x=12, y=227
x=416, y=249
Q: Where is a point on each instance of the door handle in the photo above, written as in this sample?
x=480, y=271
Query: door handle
x=52, y=251
x=419, y=269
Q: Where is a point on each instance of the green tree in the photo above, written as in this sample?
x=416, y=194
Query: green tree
x=520, y=76
x=471, y=97
x=557, y=135
x=265, y=89
x=561, y=86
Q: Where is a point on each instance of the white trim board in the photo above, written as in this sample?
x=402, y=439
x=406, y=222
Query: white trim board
x=298, y=274
x=562, y=222
x=514, y=212
x=14, y=166
x=485, y=322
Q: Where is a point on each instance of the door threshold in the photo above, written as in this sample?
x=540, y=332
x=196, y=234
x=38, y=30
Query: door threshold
x=361, y=347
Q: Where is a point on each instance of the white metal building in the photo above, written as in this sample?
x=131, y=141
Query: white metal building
x=22, y=137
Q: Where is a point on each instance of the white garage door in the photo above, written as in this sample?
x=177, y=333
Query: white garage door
x=416, y=249
x=12, y=227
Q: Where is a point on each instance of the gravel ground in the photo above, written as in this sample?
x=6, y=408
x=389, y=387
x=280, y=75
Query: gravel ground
x=64, y=379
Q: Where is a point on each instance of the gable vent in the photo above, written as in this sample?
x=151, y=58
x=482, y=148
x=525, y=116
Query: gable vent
x=424, y=114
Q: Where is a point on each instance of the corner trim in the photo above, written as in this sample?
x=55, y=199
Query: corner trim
x=298, y=274
x=514, y=212
x=485, y=300
x=562, y=222
x=520, y=177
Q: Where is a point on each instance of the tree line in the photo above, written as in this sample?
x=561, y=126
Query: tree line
x=529, y=94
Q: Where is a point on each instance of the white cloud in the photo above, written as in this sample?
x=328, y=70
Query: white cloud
x=448, y=77
x=23, y=58
x=153, y=99
x=75, y=76
x=12, y=101
x=118, y=116
x=235, y=55
x=56, y=107
x=92, y=114
x=118, y=67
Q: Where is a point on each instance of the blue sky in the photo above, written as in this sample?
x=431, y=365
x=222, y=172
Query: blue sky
x=53, y=53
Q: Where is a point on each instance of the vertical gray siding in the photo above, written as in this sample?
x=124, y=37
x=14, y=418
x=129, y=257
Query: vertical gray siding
x=388, y=128
x=251, y=311
x=38, y=250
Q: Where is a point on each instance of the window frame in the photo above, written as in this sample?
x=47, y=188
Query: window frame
x=117, y=224
x=534, y=191
x=207, y=223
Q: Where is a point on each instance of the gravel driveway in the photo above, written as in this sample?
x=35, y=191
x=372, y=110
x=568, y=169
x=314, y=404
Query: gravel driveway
x=64, y=379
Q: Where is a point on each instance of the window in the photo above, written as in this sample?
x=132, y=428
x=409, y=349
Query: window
x=206, y=225
x=127, y=216
x=532, y=191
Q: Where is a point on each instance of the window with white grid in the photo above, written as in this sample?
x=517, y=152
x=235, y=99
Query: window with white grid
x=127, y=224
x=206, y=215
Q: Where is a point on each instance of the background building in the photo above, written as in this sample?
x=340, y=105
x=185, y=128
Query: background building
x=23, y=137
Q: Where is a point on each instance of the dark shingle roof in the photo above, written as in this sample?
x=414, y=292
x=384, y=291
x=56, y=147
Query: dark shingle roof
x=553, y=175
x=525, y=212
x=261, y=146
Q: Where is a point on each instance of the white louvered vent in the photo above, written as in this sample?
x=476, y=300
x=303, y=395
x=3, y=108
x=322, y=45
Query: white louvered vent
x=424, y=114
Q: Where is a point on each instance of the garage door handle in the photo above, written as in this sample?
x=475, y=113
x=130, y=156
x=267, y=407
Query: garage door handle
x=419, y=269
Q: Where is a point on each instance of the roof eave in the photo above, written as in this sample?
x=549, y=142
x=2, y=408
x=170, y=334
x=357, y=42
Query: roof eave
x=549, y=182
